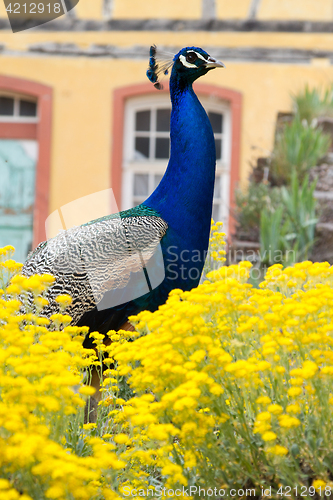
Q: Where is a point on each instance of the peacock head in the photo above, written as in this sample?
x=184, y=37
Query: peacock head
x=189, y=64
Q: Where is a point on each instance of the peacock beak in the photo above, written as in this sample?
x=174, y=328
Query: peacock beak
x=214, y=63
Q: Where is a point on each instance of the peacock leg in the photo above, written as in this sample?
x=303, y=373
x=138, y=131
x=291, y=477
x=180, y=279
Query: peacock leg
x=90, y=411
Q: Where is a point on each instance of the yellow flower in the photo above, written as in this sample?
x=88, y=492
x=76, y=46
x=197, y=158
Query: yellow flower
x=47, y=279
x=288, y=422
x=264, y=416
x=42, y=302
x=121, y=438
x=296, y=381
x=11, y=265
x=60, y=318
x=4, y=483
x=197, y=370
x=263, y=400
x=90, y=426
x=261, y=427
x=275, y=409
x=56, y=491
x=87, y=390
x=327, y=370
x=269, y=436
x=8, y=249
x=294, y=391
x=64, y=300
x=293, y=408
x=318, y=484
x=33, y=284
x=277, y=450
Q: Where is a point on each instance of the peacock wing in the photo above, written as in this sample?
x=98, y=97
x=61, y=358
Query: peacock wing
x=104, y=263
x=128, y=266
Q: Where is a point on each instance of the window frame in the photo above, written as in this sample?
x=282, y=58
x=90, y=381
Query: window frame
x=16, y=118
x=39, y=130
x=153, y=166
x=120, y=98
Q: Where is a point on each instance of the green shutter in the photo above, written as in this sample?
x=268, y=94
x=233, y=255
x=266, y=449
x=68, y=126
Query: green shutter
x=17, y=196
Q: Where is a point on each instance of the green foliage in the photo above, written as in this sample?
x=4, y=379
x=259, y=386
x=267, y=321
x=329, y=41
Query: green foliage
x=287, y=234
x=283, y=218
x=300, y=207
x=299, y=146
x=272, y=246
x=251, y=202
x=313, y=103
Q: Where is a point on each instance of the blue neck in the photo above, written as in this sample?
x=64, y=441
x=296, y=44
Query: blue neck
x=184, y=196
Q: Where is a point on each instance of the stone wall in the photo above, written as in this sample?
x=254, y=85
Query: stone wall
x=323, y=248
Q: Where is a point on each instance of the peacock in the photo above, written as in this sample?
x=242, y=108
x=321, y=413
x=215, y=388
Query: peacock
x=121, y=264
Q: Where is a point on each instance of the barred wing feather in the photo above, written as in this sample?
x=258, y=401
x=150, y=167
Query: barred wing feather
x=102, y=264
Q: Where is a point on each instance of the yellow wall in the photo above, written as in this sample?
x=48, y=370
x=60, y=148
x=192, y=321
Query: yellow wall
x=310, y=10
x=158, y=9
x=89, y=9
x=232, y=10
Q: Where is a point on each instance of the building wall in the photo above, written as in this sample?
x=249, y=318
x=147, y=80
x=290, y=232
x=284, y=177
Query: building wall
x=90, y=53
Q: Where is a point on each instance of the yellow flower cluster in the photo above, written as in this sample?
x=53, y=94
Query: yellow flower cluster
x=216, y=252
x=232, y=383
x=217, y=241
x=225, y=385
x=44, y=451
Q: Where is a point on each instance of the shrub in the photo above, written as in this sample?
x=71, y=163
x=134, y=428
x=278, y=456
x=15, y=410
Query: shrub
x=287, y=234
x=233, y=385
x=216, y=253
x=45, y=451
x=232, y=389
x=300, y=207
x=313, y=103
x=299, y=146
x=250, y=204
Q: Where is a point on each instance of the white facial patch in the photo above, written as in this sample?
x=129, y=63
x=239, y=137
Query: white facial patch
x=190, y=65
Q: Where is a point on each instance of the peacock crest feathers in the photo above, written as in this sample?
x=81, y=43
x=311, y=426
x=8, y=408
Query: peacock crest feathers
x=159, y=64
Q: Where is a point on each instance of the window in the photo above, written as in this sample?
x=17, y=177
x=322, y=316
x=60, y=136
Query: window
x=152, y=129
x=147, y=148
x=17, y=108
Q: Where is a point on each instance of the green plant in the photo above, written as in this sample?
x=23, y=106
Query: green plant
x=272, y=230
x=299, y=146
x=250, y=204
x=312, y=103
x=300, y=206
x=287, y=234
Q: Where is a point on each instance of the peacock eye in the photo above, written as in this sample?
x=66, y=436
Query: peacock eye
x=191, y=57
